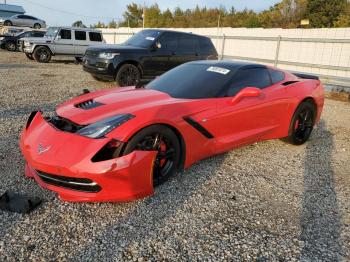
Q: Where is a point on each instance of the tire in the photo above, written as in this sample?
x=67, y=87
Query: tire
x=42, y=54
x=11, y=46
x=302, y=123
x=163, y=140
x=37, y=26
x=78, y=59
x=8, y=23
x=128, y=75
x=29, y=56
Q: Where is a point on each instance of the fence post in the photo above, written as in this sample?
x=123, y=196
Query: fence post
x=222, y=47
x=277, y=50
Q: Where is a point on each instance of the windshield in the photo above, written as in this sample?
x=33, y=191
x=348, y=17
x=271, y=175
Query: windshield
x=193, y=81
x=51, y=32
x=145, y=38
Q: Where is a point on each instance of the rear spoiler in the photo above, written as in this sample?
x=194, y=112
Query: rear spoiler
x=305, y=76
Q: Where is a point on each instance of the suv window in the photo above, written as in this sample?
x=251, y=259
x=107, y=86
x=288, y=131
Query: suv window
x=168, y=41
x=188, y=42
x=39, y=34
x=96, y=37
x=80, y=35
x=65, y=34
x=276, y=76
x=251, y=77
x=20, y=16
x=206, y=46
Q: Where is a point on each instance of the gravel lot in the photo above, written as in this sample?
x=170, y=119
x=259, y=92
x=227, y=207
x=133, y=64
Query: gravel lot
x=267, y=202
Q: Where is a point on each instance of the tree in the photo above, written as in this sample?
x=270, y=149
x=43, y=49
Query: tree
x=133, y=15
x=78, y=24
x=112, y=24
x=324, y=13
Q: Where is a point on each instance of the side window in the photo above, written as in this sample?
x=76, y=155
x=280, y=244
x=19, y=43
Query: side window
x=251, y=77
x=206, y=45
x=39, y=34
x=276, y=76
x=20, y=16
x=187, y=42
x=80, y=35
x=168, y=41
x=65, y=34
x=95, y=37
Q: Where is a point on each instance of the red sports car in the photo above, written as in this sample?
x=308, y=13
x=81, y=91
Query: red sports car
x=117, y=144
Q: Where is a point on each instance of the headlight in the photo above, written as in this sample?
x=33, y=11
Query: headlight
x=103, y=127
x=108, y=55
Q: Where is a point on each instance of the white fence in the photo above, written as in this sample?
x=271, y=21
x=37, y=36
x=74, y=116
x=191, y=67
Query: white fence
x=324, y=52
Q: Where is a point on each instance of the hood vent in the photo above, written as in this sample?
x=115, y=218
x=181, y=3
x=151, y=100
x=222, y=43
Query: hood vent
x=88, y=104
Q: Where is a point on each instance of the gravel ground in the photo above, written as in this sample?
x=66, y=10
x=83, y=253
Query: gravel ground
x=266, y=202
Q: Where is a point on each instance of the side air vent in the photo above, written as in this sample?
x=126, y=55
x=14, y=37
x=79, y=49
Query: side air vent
x=89, y=104
x=289, y=83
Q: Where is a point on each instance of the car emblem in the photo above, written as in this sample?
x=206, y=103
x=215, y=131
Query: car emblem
x=42, y=149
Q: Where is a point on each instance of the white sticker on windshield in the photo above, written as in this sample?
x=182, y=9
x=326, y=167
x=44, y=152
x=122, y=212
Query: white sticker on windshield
x=219, y=70
x=150, y=38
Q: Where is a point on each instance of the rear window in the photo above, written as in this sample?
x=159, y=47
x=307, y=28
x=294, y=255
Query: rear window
x=206, y=45
x=276, y=76
x=193, y=81
x=80, y=35
x=95, y=37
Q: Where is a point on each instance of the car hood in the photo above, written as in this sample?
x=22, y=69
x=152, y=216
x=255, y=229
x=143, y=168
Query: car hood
x=92, y=107
x=117, y=48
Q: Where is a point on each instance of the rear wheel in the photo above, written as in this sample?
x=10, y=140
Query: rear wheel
x=37, y=26
x=11, y=46
x=42, y=54
x=8, y=23
x=302, y=123
x=163, y=140
x=128, y=75
x=29, y=56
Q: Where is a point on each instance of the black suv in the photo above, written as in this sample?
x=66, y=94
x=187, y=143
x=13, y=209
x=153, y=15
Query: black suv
x=146, y=55
x=11, y=43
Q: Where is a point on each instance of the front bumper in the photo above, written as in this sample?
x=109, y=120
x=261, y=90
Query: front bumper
x=100, y=68
x=28, y=49
x=66, y=167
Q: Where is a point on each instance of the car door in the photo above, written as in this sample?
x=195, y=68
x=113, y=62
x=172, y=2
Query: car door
x=80, y=42
x=17, y=20
x=249, y=119
x=63, y=43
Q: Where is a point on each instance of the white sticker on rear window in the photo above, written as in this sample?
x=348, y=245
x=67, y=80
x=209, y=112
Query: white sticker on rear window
x=219, y=70
x=150, y=38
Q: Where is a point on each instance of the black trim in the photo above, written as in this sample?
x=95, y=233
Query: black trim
x=198, y=127
x=306, y=76
x=78, y=184
x=289, y=83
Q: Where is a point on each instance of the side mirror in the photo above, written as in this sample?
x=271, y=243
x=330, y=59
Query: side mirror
x=58, y=37
x=246, y=92
x=156, y=45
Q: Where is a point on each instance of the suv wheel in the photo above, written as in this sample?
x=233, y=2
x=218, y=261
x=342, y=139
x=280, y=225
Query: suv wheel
x=42, y=54
x=29, y=56
x=11, y=46
x=37, y=26
x=128, y=75
x=8, y=23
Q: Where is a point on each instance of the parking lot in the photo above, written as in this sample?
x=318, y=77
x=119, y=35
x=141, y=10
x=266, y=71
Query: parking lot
x=268, y=201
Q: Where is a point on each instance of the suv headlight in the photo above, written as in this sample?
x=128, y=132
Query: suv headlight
x=103, y=127
x=108, y=55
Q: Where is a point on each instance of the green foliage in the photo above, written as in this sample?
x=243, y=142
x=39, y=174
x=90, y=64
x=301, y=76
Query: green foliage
x=285, y=14
x=79, y=24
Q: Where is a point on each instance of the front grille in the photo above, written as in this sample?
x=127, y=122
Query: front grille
x=64, y=124
x=89, y=104
x=78, y=184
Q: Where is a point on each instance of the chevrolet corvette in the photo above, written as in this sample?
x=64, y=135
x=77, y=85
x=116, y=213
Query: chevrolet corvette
x=118, y=144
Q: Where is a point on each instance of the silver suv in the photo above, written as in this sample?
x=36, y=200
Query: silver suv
x=23, y=20
x=68, y=41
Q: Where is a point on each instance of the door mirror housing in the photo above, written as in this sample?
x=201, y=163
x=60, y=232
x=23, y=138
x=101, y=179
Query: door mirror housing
x=246, y=92
x=157, y=45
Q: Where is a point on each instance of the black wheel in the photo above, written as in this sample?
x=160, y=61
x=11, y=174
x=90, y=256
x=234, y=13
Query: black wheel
x=302, y=123
x=42, y=54
x=78, y=59
x=11, y=46
x=162, y=139
x=8, y=23
x=29, y=56
x=128, y=75
x=37, y=26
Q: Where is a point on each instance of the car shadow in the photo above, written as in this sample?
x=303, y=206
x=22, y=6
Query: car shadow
x=320, y=219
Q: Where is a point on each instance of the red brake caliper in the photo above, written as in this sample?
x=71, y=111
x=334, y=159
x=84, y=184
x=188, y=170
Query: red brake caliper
x=162, y=150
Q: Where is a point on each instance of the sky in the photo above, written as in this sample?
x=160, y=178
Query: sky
x=65, y=12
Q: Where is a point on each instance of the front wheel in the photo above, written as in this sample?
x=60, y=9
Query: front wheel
x=302, y=124
x=163, y=140
x=8, y=23
x=29, y=56
x=37, y=26
x=42, y=54
x=128, y=75
x=11, y=46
